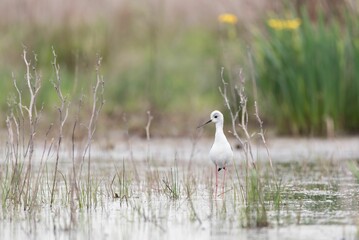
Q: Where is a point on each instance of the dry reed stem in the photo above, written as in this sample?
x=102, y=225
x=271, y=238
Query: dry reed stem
x=130, y=148
x=243, y=124
x=256, y=108
x=74, y=190
x=148, y=137
x=63, y=114
x=247, y=146
x=190, y=202
x=33, y=86
x=261, y=134
x=39, y=174
x=20, y=186
x=147, y=128
x=97, y=104
x=194, y=141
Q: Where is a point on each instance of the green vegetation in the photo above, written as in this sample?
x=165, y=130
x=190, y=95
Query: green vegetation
x=306, y=70
x=308, y=76
x=143, y=71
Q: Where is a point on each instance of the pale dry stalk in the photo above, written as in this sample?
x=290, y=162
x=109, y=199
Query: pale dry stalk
x=148, y=136
x=63, y=114
x=97, y=104
x=33, y=84
x=243, y=124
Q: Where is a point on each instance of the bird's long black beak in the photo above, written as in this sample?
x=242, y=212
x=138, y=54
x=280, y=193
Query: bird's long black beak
x=204, y=123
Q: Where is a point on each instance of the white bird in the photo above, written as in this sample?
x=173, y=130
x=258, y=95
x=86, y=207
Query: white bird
x=221, y=152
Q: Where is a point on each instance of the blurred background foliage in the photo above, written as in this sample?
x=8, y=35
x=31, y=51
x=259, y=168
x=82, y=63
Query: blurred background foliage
x=166, y=56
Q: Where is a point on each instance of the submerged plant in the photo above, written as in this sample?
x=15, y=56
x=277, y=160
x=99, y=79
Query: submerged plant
x=171, y=184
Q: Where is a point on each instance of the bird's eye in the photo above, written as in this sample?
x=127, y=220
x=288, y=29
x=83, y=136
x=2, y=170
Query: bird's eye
x=215, y=116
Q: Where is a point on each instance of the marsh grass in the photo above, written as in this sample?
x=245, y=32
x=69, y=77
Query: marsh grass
x=152, y=190
x=124, y=184
x=354, y=169
x=251, y=191
x=25, y=184
x=171, y=184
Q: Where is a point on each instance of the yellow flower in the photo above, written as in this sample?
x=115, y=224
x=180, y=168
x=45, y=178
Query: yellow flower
x=281, y=24
x=228, y=18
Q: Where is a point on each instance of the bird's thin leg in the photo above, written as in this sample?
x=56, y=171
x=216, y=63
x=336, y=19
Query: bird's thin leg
x=224, y=179
x=215, y=193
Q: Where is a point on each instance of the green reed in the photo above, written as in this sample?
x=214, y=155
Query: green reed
x=307, y=75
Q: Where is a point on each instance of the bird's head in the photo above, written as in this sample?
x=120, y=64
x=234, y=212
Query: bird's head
x=216, y=116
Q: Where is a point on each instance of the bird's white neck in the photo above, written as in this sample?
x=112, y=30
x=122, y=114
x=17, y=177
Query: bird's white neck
x=219, y=131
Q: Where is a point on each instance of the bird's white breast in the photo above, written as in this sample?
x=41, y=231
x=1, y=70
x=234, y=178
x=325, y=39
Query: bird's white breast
x=221, y=151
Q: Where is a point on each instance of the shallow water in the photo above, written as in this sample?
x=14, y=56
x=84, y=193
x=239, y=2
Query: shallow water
x=319, y=198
